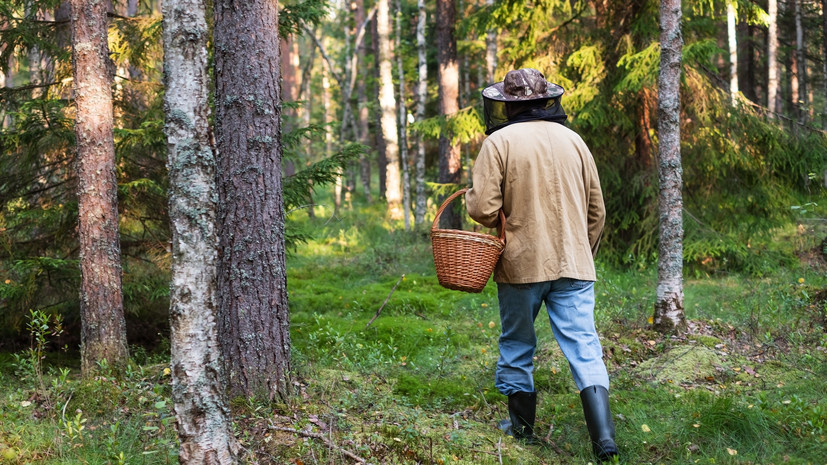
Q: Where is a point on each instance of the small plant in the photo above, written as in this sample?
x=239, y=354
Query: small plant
x=41, y=327
x=73, y=427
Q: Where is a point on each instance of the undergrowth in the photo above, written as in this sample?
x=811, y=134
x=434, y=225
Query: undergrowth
x=394, y=369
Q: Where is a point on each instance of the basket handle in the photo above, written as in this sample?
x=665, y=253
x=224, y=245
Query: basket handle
x=500, y=227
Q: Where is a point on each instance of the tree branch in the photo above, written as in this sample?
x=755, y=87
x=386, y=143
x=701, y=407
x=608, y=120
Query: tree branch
x=385, y=302
x=310, y=434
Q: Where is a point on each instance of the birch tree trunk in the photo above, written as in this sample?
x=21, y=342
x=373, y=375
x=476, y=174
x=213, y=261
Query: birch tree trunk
x=450, y=170
x=772, y=59
x=669, y=314
x=491, y=50
x=201, y=411
x=103, y=329
x=421, y=99
x=387, y=108
x=733, y=51
x=403, y=123
x=252, y=281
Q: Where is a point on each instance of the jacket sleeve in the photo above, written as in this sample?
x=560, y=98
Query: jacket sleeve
x=485, y=198
x=597, y=210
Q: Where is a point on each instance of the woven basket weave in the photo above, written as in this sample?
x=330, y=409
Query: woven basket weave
x=464, y=260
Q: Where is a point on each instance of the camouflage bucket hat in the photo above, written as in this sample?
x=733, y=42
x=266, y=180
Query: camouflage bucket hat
x=522, y=85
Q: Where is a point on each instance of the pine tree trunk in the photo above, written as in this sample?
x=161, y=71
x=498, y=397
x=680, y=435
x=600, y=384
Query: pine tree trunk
x=669, y=314
x=824, y=66
x=772, y=59
x=801, y=61
x=381, y=158
x=252, y=281
x=201, y=411
x=402, y=123
x=733, y=51
x=421, y=100
x=387, y=108
x=450, y=170
x=103, y=329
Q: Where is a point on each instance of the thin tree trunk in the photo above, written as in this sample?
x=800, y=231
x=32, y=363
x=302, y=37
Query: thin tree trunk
x=669, y=313
x=381, y=158
x=103, y=329
x=772, y=59
x=421, y=100
x=733, y=51
x=33, y=56
x=403, y=123
x=362, y=112
x=801, y=61
x=201, y=411
x=450, y=170
x=491, y=50
x=387, y=108
x=252, y=280
x=824, y=66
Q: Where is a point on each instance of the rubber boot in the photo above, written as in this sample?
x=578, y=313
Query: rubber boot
x=522, y=409
x=599, y=421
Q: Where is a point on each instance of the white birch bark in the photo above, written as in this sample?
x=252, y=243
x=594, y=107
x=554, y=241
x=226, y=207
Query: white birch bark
x=402, y=123
x=491, y=50
x=421, y=98
x=733, y=51
x=772, y=59
x=669, y=314
x=201, y=410
x=387, y=108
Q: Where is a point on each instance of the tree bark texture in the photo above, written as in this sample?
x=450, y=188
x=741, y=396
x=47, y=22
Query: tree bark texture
x=387, y=109
x=733, y=51
x=801, y=60
x=669, y=313
x=381, y=158
x=772, y=58
x=490, y=50
x=824, y=66
x=201, y=411
x=363, y=112
x=450, y=169
x=103, y=329
x=252, y=280
x=402, y=123
x=421, y=100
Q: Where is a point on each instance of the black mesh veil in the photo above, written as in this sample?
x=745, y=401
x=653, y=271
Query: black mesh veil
x=496, y=112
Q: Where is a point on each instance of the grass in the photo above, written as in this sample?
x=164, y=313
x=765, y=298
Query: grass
x=415, y=385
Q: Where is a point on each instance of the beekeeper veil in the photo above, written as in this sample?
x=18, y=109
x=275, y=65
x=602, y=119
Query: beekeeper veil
x=524, y=95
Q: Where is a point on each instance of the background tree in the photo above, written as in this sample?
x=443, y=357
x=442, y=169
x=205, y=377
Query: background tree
x=450, y=162
x=253, y=309
x=669, y=314
x=101, y=301
x=387, y=111
x=199, y=398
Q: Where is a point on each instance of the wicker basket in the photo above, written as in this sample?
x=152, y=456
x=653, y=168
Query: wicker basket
x=464, y=260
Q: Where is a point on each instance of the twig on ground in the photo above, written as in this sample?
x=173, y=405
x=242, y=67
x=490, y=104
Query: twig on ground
x=327, y=442
x=499, y=450
x=385, y=302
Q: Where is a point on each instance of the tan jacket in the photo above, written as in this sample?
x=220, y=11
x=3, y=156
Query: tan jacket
x=544, y=178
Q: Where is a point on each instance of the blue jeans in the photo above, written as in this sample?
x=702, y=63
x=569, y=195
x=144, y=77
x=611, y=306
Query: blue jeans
x=570, y=306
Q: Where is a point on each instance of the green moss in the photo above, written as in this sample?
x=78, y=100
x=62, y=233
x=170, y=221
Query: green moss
x=683, y=363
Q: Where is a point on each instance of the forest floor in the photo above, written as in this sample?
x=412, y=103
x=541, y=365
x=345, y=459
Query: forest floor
x=410, y=380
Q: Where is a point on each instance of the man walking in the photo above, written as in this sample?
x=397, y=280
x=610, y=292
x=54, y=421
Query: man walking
x=542, y=175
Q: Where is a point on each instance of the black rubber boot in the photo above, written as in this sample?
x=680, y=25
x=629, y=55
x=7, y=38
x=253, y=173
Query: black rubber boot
x=522, y=408
x=599, y=421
